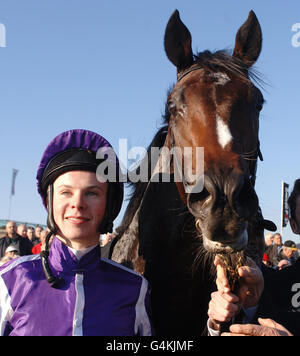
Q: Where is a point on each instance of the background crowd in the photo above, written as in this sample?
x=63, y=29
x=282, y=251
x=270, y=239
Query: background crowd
x=24, y=240
x=21, y=240
x=277, y=254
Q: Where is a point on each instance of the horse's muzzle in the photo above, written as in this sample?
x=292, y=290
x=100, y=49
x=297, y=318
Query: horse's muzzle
x=223, y=208
x=220, y=191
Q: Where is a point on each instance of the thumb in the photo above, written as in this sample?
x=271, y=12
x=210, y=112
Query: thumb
x=272, y=324
x=269, y=323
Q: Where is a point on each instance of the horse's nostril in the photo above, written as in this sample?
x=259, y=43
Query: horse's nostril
x=196, y=202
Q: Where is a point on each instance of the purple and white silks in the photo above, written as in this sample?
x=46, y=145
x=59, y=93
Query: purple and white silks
x=97, y=297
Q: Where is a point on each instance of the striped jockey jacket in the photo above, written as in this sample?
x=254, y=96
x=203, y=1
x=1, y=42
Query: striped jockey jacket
x=96, y=297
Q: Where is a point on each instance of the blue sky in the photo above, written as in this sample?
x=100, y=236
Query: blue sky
x=101, y=65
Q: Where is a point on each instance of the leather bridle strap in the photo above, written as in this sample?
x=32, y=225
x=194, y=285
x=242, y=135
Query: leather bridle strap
x=192, y=69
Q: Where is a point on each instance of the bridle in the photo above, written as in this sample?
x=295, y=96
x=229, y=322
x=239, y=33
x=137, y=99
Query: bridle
x=251, y=157
x=191, y=69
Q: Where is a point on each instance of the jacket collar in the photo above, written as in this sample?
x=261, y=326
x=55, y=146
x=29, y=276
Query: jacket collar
x=63, y=259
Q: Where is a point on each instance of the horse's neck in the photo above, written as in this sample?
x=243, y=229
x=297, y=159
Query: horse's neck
x=126, y=249
x=159, y=213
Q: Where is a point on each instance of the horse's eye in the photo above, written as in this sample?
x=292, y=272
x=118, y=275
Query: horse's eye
x=171, y=107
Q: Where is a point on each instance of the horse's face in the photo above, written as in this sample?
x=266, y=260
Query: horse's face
x=217, y=108
x=218, y=111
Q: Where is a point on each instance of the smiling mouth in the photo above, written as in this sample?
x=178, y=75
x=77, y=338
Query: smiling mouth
x=77, y=220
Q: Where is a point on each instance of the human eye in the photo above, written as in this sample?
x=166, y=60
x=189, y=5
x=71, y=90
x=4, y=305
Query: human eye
x=65, y=193
x=91, y=193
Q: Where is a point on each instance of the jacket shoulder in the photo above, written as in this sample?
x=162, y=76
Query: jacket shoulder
x=120, y=269
x=17, y=262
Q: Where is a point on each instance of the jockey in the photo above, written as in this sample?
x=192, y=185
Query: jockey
x=69, y=289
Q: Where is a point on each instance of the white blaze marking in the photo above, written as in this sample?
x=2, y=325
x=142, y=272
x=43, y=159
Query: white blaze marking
x=223, y=132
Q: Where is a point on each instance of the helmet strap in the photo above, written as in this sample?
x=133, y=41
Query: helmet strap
x=50, y=219
x=51, y=279
x=107, y=224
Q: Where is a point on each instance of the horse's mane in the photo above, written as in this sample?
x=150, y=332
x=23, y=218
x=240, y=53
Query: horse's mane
x=215, y=61
x=139, y=187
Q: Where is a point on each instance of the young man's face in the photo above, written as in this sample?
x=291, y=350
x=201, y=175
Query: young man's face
x=295, y=224
x=79, y=202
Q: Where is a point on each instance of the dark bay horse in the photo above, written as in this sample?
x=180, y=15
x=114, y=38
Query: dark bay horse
x=172, y=227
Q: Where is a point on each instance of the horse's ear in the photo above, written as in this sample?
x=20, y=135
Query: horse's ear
x=248, y=41
x=178, y=43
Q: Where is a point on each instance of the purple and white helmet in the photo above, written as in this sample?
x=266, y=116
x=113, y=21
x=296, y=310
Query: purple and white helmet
x=79, y=150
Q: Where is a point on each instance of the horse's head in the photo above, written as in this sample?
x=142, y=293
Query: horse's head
x=214, y=105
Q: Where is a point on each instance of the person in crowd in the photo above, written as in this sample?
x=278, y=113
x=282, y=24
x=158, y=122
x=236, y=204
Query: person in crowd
x=277, y=239
x=22, y=230
x=40, y=246
x=68, y=289
x=10, y=253
x=270, y=248
x=24, y=245
x=31, y=236
x=276, y=296
x=269, y=239
x=266, y=260
x=287, y=255
x=37, y=232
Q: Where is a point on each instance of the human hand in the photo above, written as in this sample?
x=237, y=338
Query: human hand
x=283, y=263
x=224, y=305
x=222, y=308
x=251, y=284
x=267, y=327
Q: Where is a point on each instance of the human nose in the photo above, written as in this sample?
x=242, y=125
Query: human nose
x=78, y=201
